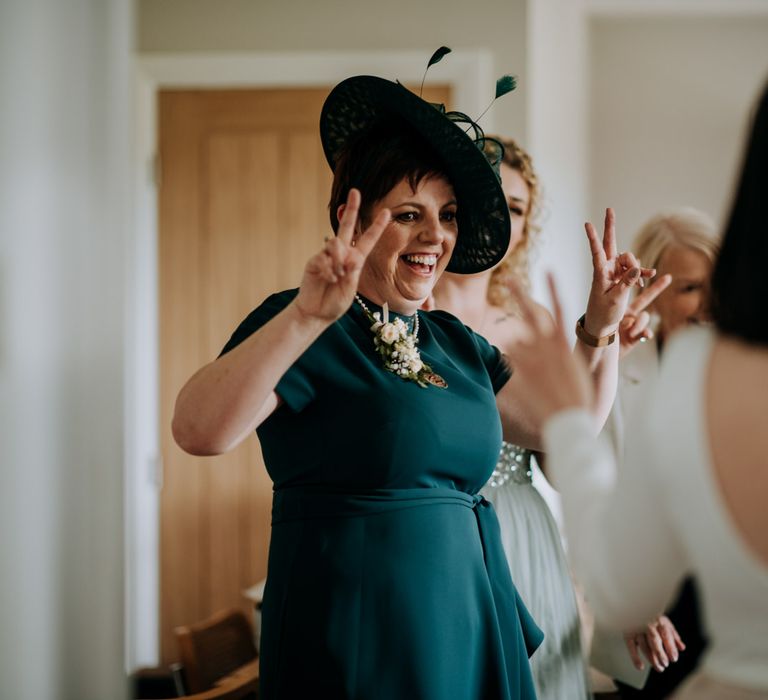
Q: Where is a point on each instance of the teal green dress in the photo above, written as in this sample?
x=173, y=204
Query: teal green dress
x=386, y=576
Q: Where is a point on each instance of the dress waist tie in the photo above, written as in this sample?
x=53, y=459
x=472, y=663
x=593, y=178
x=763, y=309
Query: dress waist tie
x=304, y=503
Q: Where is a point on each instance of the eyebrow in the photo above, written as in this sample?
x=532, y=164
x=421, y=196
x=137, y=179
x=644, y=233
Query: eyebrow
x=421, y=206
x=517, y=199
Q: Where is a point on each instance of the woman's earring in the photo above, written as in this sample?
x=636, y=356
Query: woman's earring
x=354, y=242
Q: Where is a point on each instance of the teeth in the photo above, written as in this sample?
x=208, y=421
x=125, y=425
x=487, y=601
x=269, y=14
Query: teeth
x=422, y=259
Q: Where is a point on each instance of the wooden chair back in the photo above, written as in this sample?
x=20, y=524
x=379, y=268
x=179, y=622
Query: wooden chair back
x=215, y=648
x=245, y=688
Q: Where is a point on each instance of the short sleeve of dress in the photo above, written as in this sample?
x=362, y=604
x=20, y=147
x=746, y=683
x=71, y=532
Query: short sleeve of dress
x=498, y=368
x=295, y=387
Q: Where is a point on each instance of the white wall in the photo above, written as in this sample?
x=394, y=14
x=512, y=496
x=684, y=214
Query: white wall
x=64, y=212
x=670, y=97
x=638, y=105
x=348, y=25
x=557, y=118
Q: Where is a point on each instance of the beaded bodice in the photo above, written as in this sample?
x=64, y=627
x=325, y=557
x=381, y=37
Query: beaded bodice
x=514, y=466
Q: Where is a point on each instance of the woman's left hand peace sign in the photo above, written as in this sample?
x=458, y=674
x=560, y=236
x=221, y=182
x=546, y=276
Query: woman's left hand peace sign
x=613, y=275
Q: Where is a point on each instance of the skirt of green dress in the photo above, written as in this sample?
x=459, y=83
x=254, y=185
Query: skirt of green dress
x=392, y=594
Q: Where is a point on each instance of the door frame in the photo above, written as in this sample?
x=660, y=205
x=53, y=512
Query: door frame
x=469, y=72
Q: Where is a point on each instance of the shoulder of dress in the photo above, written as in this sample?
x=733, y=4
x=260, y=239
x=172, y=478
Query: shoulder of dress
x=287, y=294
x=279, y=299
x=438, y=315
x=443, y=319
x=271, y=305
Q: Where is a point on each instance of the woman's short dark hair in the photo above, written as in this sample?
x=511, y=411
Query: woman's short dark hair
x=739, y=280
x=377, y=160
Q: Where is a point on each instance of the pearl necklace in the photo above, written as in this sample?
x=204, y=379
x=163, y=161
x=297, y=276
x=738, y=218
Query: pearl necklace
x=414, y=331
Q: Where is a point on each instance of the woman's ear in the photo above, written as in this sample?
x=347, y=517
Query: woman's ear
x=358, y=226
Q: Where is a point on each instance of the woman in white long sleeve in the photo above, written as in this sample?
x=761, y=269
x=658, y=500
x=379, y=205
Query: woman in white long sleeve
x=681, y=244
x=690, y=497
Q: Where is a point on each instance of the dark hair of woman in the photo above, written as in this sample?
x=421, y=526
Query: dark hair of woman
x=377, y=160
x=739, y=281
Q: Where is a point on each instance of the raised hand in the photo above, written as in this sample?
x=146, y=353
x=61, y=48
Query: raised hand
x=613, y=275
x=634, y=327
x=331, y=276
x=550, y=376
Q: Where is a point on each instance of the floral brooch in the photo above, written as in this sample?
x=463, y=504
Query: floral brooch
x=396, y=345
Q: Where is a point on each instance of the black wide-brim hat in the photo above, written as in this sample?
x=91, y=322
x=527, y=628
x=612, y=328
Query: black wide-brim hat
x=356, y=103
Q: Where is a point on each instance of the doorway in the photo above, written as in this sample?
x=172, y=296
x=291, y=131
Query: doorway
x=242, y=204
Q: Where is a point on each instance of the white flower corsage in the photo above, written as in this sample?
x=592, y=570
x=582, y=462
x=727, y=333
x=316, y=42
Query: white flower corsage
x=396, y=345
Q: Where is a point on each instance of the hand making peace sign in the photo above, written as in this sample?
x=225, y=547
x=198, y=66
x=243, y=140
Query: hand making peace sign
x=613, y=275
x=331, y=276
x=634, y=327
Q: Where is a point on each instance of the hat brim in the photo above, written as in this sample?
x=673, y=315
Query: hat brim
x=482, y=212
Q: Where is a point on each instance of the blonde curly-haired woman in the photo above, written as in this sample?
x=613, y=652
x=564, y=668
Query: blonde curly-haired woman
x=529, y=533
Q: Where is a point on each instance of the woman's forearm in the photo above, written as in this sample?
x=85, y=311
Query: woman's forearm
x=230, y=397
x=603, y=365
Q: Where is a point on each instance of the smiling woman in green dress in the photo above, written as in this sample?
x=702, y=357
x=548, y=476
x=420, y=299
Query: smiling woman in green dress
x=380, y=423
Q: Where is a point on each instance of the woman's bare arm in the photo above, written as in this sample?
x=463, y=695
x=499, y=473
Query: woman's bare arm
x=228, y=398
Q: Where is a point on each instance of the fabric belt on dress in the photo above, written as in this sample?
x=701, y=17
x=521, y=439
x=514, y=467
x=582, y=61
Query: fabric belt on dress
x=305, y=504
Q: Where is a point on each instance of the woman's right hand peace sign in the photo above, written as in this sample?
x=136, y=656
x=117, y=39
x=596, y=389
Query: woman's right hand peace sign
x=634, y=326
x=331, y=276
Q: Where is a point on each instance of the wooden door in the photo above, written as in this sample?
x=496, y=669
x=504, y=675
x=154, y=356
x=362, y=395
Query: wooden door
x=243, y=201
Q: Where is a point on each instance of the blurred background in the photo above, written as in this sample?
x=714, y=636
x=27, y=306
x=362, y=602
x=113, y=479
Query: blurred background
x=160, y=173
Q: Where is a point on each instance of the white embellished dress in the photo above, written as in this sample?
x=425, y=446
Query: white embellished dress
x=531, y=542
